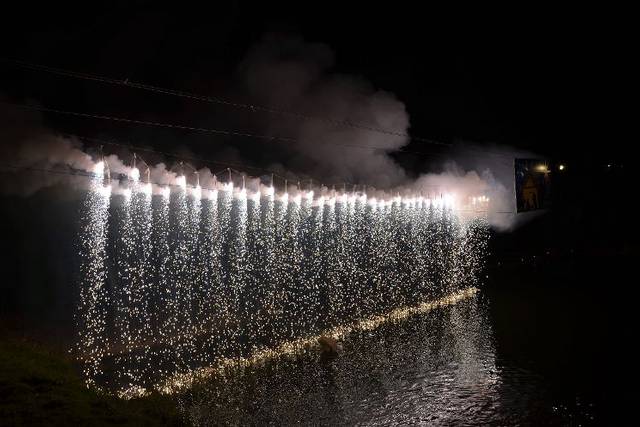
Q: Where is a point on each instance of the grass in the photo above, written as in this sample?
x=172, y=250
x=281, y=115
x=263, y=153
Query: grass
x=41, y=387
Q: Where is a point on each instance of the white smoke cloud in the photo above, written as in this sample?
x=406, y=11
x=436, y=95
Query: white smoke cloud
x=289, y=74
x=40, y=157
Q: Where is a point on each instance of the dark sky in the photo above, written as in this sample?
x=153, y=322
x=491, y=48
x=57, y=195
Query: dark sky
x=551, y=80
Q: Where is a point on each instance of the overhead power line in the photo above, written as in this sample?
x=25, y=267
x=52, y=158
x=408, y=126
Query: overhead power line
x=194, y=128
x=217, y=100
x=147, y=123
x=89, y=175
x=251, y=107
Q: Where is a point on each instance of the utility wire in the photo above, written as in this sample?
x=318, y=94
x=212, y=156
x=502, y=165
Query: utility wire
x=89, y=175
x=183, y=127
x=164, y=153
x=147, y=123
x=202, y=160
x=216, y=100
x=251, y=107
x=174, y=155
x=205, y=130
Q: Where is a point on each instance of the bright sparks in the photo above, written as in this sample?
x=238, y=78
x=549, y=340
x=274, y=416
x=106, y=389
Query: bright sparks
x=135, y=174
x=147, y=189
x=197, y=192
x=98, y=169
x=184, y=283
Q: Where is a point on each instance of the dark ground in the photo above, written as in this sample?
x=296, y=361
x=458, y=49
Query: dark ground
x=39, y=386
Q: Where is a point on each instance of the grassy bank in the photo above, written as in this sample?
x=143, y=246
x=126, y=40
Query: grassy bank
x=41, y=387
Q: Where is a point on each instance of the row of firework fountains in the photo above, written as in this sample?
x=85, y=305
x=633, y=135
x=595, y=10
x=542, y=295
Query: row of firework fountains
x=197, y=277
x=476, y=204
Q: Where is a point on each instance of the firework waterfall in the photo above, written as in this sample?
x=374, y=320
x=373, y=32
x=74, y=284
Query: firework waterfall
x=183, y=272
x=190, y=279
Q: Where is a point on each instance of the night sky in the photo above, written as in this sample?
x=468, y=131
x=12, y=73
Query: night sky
x=545, y=80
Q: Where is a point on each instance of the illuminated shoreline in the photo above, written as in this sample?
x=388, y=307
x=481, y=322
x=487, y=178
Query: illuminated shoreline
x=180, y=382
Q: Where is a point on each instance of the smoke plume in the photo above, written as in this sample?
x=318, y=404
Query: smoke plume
x=290, y=74
x=34, y=153
x=343, y=130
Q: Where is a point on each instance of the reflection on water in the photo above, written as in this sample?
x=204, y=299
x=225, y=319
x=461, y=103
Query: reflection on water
x=438, y=368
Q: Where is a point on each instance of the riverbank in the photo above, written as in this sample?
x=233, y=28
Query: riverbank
x=40, y=386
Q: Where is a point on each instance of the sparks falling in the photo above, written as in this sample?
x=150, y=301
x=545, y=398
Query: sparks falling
x=193, y=278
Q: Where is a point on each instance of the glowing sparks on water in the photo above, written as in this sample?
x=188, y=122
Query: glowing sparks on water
x=179, y=382
x=209, y=277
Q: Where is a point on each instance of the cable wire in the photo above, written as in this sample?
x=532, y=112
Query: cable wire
x=85, y=174
x=216, y=100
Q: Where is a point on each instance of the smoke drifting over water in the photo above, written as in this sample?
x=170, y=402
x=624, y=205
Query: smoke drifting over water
x=27, y=145
x=292, y=75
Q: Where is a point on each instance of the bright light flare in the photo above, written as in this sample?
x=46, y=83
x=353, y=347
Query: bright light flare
x=147, y=189
x=197, y=192
x=227, y=186
x=135, y=174
x=98, y=169
x=181, y=181
x=105, y=190
x=255, y=197
x=309, y=196
x=449, y=200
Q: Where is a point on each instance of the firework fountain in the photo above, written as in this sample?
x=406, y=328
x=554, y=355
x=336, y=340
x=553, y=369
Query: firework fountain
x=178, y=281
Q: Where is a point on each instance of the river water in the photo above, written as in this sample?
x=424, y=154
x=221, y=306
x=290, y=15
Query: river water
x=527, y=350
